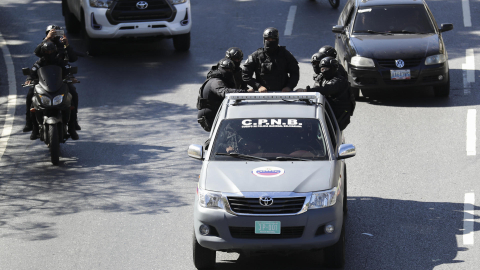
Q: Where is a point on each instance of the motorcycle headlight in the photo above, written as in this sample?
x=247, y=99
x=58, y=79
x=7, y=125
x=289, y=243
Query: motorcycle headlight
x=100, y=4
x=46, y=101
x=435, y=59
x=323, y=199
x=57, y=100
x=176, y=2
x=359, y=61
x=210, y=199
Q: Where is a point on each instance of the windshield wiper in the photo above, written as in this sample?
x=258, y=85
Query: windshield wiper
x=292, y=158
x=237, y=155
x=373, y=32
x=408, y=32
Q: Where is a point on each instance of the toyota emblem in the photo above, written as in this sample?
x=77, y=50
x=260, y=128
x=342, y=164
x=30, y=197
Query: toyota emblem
x=266, y=200
x=142, y=5
x=399, y=63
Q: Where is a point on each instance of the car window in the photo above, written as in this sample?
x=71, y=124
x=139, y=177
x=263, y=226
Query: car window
x=331, y=131
x=394, y=19
x=270, y=138
x=343, y=15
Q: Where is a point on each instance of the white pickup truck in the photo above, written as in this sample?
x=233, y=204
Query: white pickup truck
x=112, y=19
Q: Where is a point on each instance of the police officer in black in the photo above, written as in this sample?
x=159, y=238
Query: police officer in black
x=65, y=52
x=336, y=90
x=219, y=82
x=50, y=56
x=236, y=55
x=275, y=68
x=322, y=53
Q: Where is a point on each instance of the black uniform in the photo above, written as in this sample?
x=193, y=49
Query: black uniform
x=211, y=96
x=237, y=77
x=338, y=93
x=272, y=70
x=66, y=53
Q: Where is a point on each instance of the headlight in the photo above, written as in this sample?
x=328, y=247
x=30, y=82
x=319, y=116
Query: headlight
x=46, y=101
x=176, y=2
x=57, y=100
x=100, y=4
x=359, y=61
x=210, y=199
x=323, y=199
x=435, y=59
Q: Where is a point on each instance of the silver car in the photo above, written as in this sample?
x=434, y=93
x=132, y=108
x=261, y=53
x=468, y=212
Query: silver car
x=273, y=179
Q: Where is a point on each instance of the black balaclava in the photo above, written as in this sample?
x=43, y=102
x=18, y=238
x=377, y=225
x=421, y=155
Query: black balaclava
x=270, y=46
x=329, y=74
x=316, y=68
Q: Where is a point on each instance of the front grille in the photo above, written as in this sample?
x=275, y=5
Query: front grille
x=400, y=82
x=289, y=205
x=125, y=11
x=249, y=233
x=390, y=63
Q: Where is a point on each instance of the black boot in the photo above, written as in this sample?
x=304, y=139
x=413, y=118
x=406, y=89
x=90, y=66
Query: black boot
x=77, y=126
x=34, y=134
x=28, y=124
x=72, y=131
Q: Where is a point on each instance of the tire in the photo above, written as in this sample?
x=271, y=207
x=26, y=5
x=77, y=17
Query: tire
x=54, y=144
x=334, y=3
x=91, y=44
x=203, y=258
x=443, y=90
x=345, y=207
x=181, y=42
x=335, y=255
x=71, y=23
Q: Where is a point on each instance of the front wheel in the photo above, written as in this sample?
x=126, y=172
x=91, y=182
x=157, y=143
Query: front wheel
x=54, y=144
x=72, y=24
x=181, y=43
x=334, y=3
x=203, y=258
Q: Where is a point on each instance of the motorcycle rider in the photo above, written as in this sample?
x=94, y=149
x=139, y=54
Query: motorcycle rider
x=65, y=52
x=219, y=82
x=50, y=57
x=275, y=68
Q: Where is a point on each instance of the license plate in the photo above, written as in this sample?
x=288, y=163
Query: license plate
x=267, y=227
x=402, y=74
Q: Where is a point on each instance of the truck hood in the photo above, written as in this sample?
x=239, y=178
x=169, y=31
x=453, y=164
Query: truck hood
x=273, y=176
x=396, y=46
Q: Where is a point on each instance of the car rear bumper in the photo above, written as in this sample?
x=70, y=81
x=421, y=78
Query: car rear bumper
x=313, y=223
x=380, y=78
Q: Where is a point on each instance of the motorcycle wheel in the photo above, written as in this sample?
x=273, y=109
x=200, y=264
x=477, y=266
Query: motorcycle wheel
x=54, y=144
x=334, y=3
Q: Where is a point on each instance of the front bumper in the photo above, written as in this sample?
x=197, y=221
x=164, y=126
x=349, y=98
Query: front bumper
x=313, y=236
x=102, y=28
x=380, y=77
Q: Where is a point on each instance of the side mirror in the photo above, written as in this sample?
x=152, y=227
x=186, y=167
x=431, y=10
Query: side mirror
x=26, y=71
x=346, y=151
x=195, y=151
x=446, y=27
x=73, y=70
x=338, y=29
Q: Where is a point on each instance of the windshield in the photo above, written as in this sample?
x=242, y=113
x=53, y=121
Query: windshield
x=269, y=139
x=405, y=19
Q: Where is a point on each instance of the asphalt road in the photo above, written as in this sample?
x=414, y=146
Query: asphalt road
x=122, y=196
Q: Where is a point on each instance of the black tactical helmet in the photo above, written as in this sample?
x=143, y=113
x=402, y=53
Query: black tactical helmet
x=50, y=27
x=328, y=51
x=270, y=32
x=329, y=62
x=226, y=63
x=234, y=53
x=316, y=57
x=48, y=48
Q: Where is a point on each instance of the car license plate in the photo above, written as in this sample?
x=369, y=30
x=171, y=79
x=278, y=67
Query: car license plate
x=267, y=227
x=401, y=74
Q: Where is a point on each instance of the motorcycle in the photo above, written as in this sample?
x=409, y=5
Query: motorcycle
x=51, y=105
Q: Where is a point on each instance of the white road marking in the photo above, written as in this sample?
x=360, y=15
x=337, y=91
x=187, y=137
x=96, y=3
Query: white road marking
x=12, y=96
x=471, y=132
x=467, y=21
x=290, y=20
x=468, y=213
x=468, y=71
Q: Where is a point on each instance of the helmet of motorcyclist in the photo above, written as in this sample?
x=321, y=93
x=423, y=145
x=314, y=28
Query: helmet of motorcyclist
x=270, y=39
x=226, y=68
x=315, y=60
x=49, y=51
x=328, y=67
x=50, y=27
x=236, y=55
x=328, y=51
